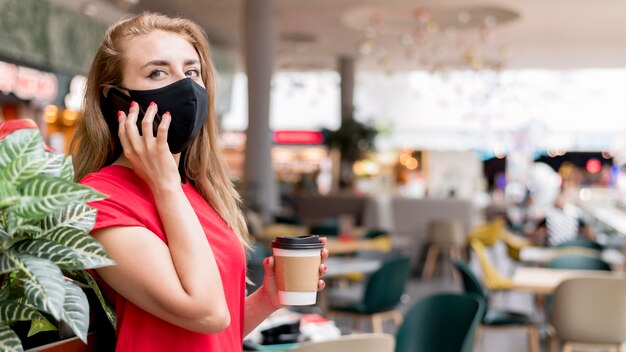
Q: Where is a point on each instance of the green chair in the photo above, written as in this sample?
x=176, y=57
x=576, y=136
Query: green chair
x=373, y=233
x=381, y=294
x=581, y=242
x=254, y=265
x=328, y=227
x=444, y=322
x=578, y=262
x=497, y=318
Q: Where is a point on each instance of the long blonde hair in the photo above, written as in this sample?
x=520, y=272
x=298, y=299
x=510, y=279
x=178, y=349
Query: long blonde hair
x=202, y=163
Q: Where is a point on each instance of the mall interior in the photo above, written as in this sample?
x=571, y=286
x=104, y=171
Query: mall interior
x=466, y=160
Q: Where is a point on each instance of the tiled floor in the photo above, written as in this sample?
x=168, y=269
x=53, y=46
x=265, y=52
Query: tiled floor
x=491, y=341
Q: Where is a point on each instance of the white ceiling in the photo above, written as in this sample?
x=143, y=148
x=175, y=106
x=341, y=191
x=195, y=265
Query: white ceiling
x=555, y=34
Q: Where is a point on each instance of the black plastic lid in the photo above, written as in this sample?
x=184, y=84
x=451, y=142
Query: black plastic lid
x=300, y=242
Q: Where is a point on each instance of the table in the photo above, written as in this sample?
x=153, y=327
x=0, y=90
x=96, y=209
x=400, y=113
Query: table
x=339, y=246
x=545, y=281
x=542, y=255
x=338, y=266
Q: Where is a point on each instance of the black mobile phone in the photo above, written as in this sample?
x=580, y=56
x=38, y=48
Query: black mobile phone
x=120, y=102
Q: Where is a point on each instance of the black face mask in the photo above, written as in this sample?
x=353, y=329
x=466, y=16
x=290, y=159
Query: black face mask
x=186, y=101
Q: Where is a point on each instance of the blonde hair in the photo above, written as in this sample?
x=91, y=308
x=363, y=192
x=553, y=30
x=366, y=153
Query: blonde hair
x=202, y=163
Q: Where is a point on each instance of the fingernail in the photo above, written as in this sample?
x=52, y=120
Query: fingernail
x=167, y=113
x=325, y=267
x=132, y=104
x=267, y=261
x=119, y=115
x=323, y=284
x=151, y=104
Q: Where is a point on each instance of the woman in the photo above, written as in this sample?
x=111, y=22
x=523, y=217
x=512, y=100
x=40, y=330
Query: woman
x=171, y=221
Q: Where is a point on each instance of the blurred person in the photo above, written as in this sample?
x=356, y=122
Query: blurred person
x=562, y=223
x=172, y=220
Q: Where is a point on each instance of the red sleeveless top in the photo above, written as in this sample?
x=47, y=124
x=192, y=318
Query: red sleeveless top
x=130, y=203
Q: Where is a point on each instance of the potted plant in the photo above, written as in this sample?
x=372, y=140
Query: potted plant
x=353, y=139
x=45, y=246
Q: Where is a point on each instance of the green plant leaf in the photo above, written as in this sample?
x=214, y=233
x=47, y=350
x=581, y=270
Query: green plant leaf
x=76, y=310
x=85, y=278
x=78, y=216
x=40, y=324
x=19, y=143
x=13, y=311
x=4, y=235
x=67, y=170
x=44, y=195
x=6, y=287
x=43, y=283
x=62, y=256
x=9, y=342
x=91, y=252
x=54, y=164
x=6, y=265
x=23, y=168
x=9, y=196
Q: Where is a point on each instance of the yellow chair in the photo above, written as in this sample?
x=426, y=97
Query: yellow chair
x=514, y=244
x=488, y=233
x=492, y=279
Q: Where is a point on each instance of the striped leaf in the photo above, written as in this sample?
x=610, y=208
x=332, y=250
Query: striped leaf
x=6, y=265
x=40, y=324
x=4, y=235
x=22, y=142
x=55, y=252
x=78, y=216
x=91, y=252
x=9, y=196
x=5, y=290
x=9, y=342
x=45, y=194
x=23, y=168
x=13, y=311
x=67, y=170
x=43, y=284
x=27, y=231
x=85, y=278
x=76, y=310
x=54, y=164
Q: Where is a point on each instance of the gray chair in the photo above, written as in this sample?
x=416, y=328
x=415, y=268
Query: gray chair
x=589, y=313
x=446, y=235
x=357, y=342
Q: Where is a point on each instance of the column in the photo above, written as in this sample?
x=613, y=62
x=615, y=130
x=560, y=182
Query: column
x=260, y=191
x=346, y=72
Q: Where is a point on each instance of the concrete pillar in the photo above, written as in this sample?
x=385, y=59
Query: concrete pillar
x=260, y=191
x=346, y=72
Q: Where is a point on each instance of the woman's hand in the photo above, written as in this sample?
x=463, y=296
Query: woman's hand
x=269, y=281
x=149, y=156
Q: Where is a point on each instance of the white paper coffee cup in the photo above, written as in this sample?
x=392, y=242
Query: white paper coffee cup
x=296, y=267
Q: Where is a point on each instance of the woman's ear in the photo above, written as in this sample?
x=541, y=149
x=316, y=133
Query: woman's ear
x=105, y=91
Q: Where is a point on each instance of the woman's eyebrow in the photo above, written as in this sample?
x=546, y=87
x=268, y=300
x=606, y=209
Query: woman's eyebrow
x=191, y=62
x=156, y=63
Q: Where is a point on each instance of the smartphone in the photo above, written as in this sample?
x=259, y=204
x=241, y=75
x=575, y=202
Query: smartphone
x=120, y=102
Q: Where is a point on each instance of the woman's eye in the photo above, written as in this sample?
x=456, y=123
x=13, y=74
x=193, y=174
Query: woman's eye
x=193, y=73
x=157, y=74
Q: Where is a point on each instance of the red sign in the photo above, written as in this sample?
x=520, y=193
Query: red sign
x=298, y=137
x=27, y=83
